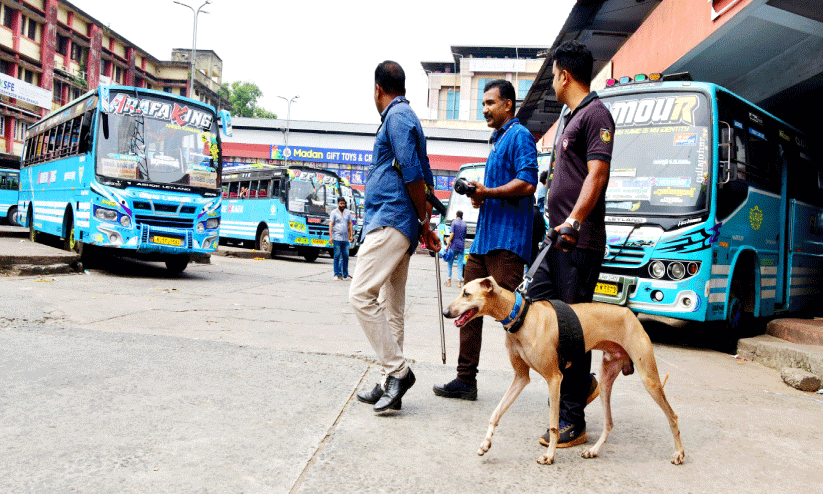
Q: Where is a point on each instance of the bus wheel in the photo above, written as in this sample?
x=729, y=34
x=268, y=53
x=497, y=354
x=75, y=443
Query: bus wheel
x=735, y=315
x=310, y=254
x=177, y=264
x=70, y=244
x=30, y=222
x=263, y=242
x=12, y=216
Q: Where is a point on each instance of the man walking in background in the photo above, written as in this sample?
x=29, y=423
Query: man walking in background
x=341, y=233
x=456, y=243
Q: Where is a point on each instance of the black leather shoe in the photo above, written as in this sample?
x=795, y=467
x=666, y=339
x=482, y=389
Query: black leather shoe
x=456, y=389
x=372, y=396
x=395, y=389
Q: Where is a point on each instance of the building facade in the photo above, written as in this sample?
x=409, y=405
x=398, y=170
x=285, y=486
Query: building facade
x=345, y=148
x=455, y=87
x=52, y=52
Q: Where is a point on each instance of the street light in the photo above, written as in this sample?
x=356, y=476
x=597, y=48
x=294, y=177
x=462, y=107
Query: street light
x=193, y=42
x=288, y=118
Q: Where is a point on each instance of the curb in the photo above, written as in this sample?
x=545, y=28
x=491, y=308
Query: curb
x=777, y=353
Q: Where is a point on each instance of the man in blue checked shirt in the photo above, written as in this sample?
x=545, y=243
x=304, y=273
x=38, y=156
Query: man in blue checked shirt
x=396, y=217
x=502, y=243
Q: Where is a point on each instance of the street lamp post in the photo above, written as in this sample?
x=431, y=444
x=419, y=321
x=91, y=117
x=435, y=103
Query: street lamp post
x=288, y=118
x=193, y=42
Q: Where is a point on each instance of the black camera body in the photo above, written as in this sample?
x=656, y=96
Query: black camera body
x=464, y=187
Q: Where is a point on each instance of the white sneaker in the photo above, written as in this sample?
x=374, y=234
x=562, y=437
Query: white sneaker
x=336, y=278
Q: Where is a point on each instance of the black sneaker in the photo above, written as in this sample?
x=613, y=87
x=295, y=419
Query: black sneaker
x=457, y=389
x=570, y=435
x=372, y=396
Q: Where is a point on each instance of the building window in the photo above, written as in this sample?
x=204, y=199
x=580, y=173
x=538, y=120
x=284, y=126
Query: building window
x=5, y=67
x=33, y=29
x=8, y=15
x=57, y=95
x=453, y=104
x=523, y=88
x=481, y=83
x=118, y=75
x=76, y=53
x=62, y=44
x=28, y=76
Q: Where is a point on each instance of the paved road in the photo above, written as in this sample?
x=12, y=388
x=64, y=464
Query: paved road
x=239, y=376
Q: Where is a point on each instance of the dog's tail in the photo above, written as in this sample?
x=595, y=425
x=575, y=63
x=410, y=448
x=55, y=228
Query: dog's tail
x=664, y=381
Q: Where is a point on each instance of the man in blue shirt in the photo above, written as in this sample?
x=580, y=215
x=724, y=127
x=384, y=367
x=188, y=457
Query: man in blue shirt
x=396, y=217
x=457, y=244
x=502, y=243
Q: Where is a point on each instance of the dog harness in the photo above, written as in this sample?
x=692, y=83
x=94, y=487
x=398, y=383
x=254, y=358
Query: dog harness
x=570, y=344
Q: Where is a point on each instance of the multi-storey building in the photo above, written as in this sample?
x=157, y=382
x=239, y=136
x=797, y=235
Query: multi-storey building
x=456, y=86
x=52, y=52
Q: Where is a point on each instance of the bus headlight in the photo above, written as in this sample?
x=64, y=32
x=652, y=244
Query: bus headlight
x=212, y=223
x=105, y=214
x=677, y=270
x=201, y=227
x=657, y=269
x=125, y=221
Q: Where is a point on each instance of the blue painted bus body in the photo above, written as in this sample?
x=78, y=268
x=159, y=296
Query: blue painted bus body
x=149, y=188
x=9, y=185
x=701, y=231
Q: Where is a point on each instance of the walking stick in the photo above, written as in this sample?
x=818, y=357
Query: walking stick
x=440, y=307
x=437, y=205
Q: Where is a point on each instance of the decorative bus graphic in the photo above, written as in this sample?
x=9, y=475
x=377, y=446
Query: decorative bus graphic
x=714, y=207
x=129, y=169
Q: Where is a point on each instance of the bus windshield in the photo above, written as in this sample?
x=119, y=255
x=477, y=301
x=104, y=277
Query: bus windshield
x=660, y=162
x=459, y=202
x=154, y=140
x=311, y=192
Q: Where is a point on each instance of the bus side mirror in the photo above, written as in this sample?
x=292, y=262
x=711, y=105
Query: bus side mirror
x=105, y=123
x=727, y=170
x=225, y=119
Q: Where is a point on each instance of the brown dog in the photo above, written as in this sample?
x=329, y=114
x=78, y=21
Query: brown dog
x=613, y=329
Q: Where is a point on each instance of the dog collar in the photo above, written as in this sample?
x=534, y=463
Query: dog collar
x=518, y=302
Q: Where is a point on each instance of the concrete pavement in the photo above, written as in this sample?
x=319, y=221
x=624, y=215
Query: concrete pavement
x=788, y=342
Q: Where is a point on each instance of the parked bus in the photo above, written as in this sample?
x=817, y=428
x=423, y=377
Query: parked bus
x=287, y=209
x=9, y=185
x=458, y=202
x=713, y=208
x=129, y=169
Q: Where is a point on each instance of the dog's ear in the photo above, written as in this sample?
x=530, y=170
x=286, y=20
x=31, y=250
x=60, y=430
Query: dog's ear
x=488, y=284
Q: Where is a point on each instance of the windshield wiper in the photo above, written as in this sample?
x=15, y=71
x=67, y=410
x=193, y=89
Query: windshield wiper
x=138, y=142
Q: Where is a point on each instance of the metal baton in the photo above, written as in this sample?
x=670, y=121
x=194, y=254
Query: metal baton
x=440, y=307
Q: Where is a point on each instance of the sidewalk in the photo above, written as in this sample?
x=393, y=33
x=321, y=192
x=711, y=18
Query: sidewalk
x=788, y=342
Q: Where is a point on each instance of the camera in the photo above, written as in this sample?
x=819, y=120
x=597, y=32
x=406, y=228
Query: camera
x=464, y=187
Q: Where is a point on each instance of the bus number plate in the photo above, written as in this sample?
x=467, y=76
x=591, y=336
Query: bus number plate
x=167, y=241
x=606, y=289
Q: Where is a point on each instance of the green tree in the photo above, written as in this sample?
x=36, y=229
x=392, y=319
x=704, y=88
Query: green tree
x=243, y=98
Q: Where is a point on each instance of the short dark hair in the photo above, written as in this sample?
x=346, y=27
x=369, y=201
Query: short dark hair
x=576, y=59
x=390, y=76
x=460, y=214
x=544, y=176
x=506, y=90
x=341, y=199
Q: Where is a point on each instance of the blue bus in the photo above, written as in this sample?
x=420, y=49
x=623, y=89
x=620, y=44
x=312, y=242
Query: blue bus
x=714, y=207
x=129, y=169
x=9, y=185
x=278, y=209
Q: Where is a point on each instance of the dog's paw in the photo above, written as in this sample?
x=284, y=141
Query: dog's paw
x=589, y=453
x=545, y=460
x=677, y=457
x=484, y=447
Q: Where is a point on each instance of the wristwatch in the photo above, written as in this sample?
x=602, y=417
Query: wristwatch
x=574, y=223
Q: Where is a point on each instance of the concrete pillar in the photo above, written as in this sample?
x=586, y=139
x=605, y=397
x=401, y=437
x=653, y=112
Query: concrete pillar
x=130, y=75
x=95, y=52
x=48, y=47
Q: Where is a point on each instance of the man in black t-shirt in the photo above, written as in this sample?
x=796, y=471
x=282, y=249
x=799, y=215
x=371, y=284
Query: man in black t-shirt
x=576, y=199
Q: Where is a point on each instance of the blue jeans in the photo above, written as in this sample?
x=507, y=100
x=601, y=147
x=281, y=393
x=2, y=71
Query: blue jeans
x=341, y=258
x=459, y=257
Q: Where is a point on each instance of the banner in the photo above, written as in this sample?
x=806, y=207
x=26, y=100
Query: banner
x=25, y=92
x=321, y=155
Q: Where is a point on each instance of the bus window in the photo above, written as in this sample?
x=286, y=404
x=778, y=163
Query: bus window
x=763, y=169
x=275, y=188
x=253, y=189
x=244, y=190
x=225, y=190
x=85, y=132
x=233, y=188
x=75, y=134
x=263, y=189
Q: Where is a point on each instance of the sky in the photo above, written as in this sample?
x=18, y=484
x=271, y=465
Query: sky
x=324, y=51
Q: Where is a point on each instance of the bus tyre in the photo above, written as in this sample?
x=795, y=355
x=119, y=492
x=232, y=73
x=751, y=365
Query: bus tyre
x=735, y=315
x=264, y=242
x=30, y=222
x=12, y=216
x=310, y=254
x=70, y=244
x=177, y=264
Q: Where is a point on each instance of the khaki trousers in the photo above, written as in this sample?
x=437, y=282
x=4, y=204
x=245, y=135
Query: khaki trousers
x=378, y=295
